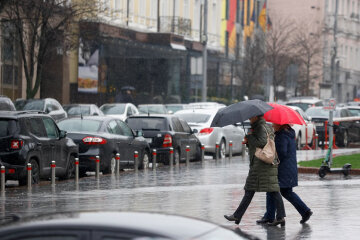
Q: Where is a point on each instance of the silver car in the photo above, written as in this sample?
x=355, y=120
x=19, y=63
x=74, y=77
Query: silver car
x=200, y=120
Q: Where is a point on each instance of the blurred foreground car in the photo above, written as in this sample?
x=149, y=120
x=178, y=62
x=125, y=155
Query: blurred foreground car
x=82, y=109
x=152, y=109
x=104, y=225
x=165, y=131
x=345, y=131
x=119, y=110
x=6, y=104
x=104, y=137
x=32, y=137
x=201, y=119
x=300, y=130
x=48, y=105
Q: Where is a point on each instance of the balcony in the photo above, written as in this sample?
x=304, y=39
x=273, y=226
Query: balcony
x=177, y=25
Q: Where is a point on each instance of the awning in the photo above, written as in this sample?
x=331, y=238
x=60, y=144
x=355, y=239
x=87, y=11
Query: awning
x=178, y=46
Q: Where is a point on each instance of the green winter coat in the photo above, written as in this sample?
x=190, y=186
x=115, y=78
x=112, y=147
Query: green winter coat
x=262, y=177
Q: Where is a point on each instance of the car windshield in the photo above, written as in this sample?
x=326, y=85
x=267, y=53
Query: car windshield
x=33, y=105
x=317, y=112
x=148, y=123
x=174, y=108
x=113, y=109
x=152, y=109
x=77, y=110
x=7, y=127
x=194, y=117
x=79, y=125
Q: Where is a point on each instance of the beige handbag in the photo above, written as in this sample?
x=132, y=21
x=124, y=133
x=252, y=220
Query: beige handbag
x=268, y=152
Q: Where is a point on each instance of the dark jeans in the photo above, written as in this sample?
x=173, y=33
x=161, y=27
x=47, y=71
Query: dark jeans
x=289, y=195
x=245, y=202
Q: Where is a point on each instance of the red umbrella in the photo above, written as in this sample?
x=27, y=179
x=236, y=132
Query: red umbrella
x=282, y=114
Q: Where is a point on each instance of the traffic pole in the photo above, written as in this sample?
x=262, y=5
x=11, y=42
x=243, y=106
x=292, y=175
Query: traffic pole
x=171, y=157
x=97, y=172
x=76, y=170
x=117, y=164
x=136, y=161
x=202, y=152
x=29, y=176
x=53, y=166
x=230, y=149
x=154, y=159
x=2, y=179
x=187, y=155
x=217, y=151
x=316, y=141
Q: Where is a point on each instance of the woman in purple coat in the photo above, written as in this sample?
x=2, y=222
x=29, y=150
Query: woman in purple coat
x=287, y=175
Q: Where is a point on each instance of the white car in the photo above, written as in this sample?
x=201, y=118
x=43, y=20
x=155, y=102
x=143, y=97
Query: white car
x=300, y=130
x=206, y=105
x=200, y=120
x=119, y=110
x=305, y=102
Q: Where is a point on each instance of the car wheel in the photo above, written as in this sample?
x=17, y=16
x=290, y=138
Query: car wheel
x=222, y=149
x=145, y=160
x=70, y=170
x=298, y=142
x=198, y=153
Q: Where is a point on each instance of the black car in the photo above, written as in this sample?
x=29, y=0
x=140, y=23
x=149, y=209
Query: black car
x=345, y=131
x=82, y=109
x=48, y=105
x=6, y=104
x=31, y=137
x=113, y=225
x=105, y=136
x=165, y=131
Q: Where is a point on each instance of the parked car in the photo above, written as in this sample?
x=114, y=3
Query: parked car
x=163, y=131
x=345, y=131
x=300, y=130
x=354, y=110
x=119, y=110
x=101, y=225
x=173, y=108
x=200, y=120
x=82, y=110
x=6, y=104
x=31, y=137
x=152, y=109
x=305, y=102
x=104, y=137
x=206, y=105
x=48, y=105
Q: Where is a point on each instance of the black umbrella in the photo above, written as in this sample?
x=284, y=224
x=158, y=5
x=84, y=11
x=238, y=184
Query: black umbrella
x=131, y=88
x=239, y=112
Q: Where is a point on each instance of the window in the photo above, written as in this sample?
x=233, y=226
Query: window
x=114, y=128
x=185, y=126
x=51, y=129
x=125, y=129
x=117, y=4
x=177, y=125
x=36, y=127
x=153, y=12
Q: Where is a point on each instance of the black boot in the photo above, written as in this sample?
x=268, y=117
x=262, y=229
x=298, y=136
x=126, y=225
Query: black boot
x=263, y=221
x=306, y=217
x=232, y=218
x=277, y=222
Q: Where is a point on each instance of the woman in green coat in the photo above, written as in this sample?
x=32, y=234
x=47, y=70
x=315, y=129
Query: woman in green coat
x=262, y=177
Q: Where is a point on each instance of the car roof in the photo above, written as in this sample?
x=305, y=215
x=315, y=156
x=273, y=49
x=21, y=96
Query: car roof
x=79, y=104
x=153, y=116
x=173, y=226
x=199, y=110
x=19, y=114
x=97, y=117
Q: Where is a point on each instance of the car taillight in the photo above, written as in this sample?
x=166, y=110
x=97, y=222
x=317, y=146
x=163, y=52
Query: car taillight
x=167, y=140
x=93, y=140
x=205, y=131
x=16, y=144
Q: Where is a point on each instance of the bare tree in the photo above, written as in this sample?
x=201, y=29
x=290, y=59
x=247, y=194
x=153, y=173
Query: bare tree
x=40, y=26
x=308, y=55
x=279, y=50
x=251, y=70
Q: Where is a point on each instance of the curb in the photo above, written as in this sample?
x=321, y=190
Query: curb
x=314, y=170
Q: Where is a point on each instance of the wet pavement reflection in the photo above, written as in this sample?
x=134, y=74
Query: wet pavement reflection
x=203, y=190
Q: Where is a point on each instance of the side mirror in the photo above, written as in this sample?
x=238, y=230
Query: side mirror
x=170, y=112
x=95, y=114
x=194, y=131
x=309, y=118
x=62, y=134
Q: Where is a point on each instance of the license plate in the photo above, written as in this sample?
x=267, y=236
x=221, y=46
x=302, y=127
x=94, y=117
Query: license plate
x=149, y=140
x=319, y=124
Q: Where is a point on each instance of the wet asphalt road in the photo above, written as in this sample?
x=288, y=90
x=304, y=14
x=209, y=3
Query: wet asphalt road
x=203, y=190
